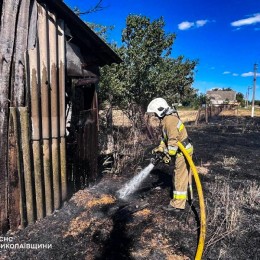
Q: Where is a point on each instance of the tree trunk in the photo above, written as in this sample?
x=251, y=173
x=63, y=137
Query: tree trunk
x=109, y=123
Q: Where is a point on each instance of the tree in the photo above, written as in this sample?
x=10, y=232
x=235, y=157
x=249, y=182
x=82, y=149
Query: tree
x=148, y=71
x=146, y=46
x=176, y=78
x=240, y=99
x=100, y=30
x=257, y=102
x=96, y=8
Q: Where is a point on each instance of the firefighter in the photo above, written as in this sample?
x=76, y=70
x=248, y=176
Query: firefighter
x=173, y=130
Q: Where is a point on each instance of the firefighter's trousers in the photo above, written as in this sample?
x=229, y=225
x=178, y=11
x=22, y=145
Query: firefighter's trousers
x=182, y=182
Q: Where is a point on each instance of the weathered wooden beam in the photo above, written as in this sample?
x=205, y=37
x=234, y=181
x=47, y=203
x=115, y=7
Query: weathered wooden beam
x=90, y=143
x=198, y=116
x=55, y=133
x=34, y=95
x=45, y=105
x=27, y=169
x=61, y=68
x=36, y=134
x=7, y=37
x=206, y=113
x=14, y=171
x=18, y=98
x=1, y=5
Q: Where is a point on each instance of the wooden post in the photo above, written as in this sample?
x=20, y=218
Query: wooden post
x=7, y=36
x=109, y=126
x=25, y=139
x=54, y=109
x=88, y=149
x=36, y=135
x=20, y=49
x=206, y=113
x=15, y=124
x=45, y=106
x=61, y=60
x=16, y=194
x=197, y=116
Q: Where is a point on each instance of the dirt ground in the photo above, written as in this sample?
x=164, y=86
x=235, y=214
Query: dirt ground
x=95, y=224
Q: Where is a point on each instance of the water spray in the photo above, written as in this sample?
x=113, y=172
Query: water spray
x=131, y=186
x=135, y=183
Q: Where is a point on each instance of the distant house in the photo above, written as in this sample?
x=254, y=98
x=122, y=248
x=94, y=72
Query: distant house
x=220, y=97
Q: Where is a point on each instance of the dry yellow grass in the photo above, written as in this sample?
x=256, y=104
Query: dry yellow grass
x=78, y=225
x=104, y=200
x=87, y=200
x=120, y=119
x=141, y=213
x=240, y=112
x=188, y=115
x=81, y=197
x=185, y=116
x=202, y=170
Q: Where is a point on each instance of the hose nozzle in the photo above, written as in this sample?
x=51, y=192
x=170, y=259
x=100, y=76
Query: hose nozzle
x=157, y=158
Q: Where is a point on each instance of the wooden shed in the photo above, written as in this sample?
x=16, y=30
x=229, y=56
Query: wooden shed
x=49, y=70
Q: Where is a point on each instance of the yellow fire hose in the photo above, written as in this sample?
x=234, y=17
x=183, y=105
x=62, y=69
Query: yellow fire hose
x=201, y=243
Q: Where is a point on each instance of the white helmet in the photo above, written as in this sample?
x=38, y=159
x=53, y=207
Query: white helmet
x=158, y=106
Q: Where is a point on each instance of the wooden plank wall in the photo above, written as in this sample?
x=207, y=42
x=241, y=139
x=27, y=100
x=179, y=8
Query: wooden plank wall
x=33, y=179
x=33, y=163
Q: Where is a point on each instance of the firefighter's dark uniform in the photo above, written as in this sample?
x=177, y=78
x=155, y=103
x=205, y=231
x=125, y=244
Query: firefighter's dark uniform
x=173, y=130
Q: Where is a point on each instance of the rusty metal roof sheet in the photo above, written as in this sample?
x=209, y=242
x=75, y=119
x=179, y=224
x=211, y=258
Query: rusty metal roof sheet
x=85, y=36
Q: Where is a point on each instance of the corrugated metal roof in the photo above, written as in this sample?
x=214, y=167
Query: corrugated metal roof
x=83, y=34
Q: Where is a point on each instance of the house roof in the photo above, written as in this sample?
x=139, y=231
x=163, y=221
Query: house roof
x=221, y=95
x=83, y=34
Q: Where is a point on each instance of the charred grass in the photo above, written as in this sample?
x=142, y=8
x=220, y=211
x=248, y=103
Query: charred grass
x=95, y=224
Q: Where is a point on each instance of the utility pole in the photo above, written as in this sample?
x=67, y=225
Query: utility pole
x=254, y=88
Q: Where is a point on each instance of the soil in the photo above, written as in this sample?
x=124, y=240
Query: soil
x=95, y=224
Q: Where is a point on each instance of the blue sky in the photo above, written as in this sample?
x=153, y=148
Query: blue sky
x=224, y=35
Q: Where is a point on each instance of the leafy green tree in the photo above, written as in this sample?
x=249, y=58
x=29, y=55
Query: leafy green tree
x=257, y=102
x=101, y=30
x=146, y=45
x=176, y=78
x=199, y=100
x=148, y=71
x=240, y=99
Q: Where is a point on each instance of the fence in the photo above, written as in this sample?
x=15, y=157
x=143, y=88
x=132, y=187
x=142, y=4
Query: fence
x=207, y=112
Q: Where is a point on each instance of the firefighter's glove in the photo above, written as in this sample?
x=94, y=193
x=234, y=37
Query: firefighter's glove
x=158, y=149
x=166, y=159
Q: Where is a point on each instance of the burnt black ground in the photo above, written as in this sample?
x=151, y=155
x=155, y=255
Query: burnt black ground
x=139, y=228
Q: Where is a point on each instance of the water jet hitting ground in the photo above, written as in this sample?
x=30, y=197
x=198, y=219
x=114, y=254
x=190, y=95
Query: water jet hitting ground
x=131, y=186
